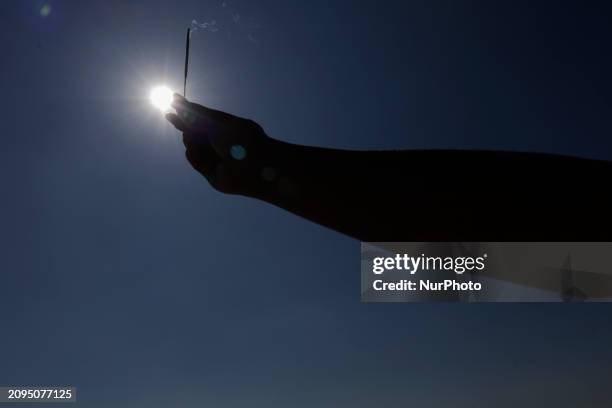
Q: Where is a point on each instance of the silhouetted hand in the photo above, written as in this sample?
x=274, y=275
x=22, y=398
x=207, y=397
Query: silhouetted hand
x=229, y=151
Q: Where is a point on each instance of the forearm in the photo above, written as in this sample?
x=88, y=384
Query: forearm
x=439, y=195
x=367, y=195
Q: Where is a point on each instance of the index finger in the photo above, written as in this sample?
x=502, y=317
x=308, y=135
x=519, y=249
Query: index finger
x=183, y=105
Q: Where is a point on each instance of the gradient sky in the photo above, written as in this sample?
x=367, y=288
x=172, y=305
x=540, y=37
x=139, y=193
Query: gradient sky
x=124, y=274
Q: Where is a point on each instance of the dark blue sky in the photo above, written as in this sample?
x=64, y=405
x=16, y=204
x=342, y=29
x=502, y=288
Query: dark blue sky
x=126, y=275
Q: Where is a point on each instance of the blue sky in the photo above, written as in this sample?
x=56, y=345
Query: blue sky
x=125, y=275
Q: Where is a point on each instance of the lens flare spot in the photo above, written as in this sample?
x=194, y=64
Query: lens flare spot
x=45, y=10
x=161, y=98
x=238, y=152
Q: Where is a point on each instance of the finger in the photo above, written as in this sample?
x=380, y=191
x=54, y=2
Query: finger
x=181, y=104
x=185, y=111
x=176, y=121
x=203, y=159
x=198, y=147
x=187, y=140
x=193, y=140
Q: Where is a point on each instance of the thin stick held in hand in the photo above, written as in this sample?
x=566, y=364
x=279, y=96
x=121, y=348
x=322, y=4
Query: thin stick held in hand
x=186, y=62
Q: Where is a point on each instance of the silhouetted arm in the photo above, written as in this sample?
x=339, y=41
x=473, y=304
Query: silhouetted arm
x=443, y=194
x=403, y=195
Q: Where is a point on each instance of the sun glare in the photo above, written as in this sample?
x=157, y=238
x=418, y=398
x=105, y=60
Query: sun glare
x=161, y=98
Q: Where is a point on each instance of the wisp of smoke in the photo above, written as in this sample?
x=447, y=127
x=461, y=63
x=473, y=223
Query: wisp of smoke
x=206, y=25
x=230, y=22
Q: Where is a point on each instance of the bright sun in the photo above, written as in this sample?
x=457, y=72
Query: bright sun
x=161, y=98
